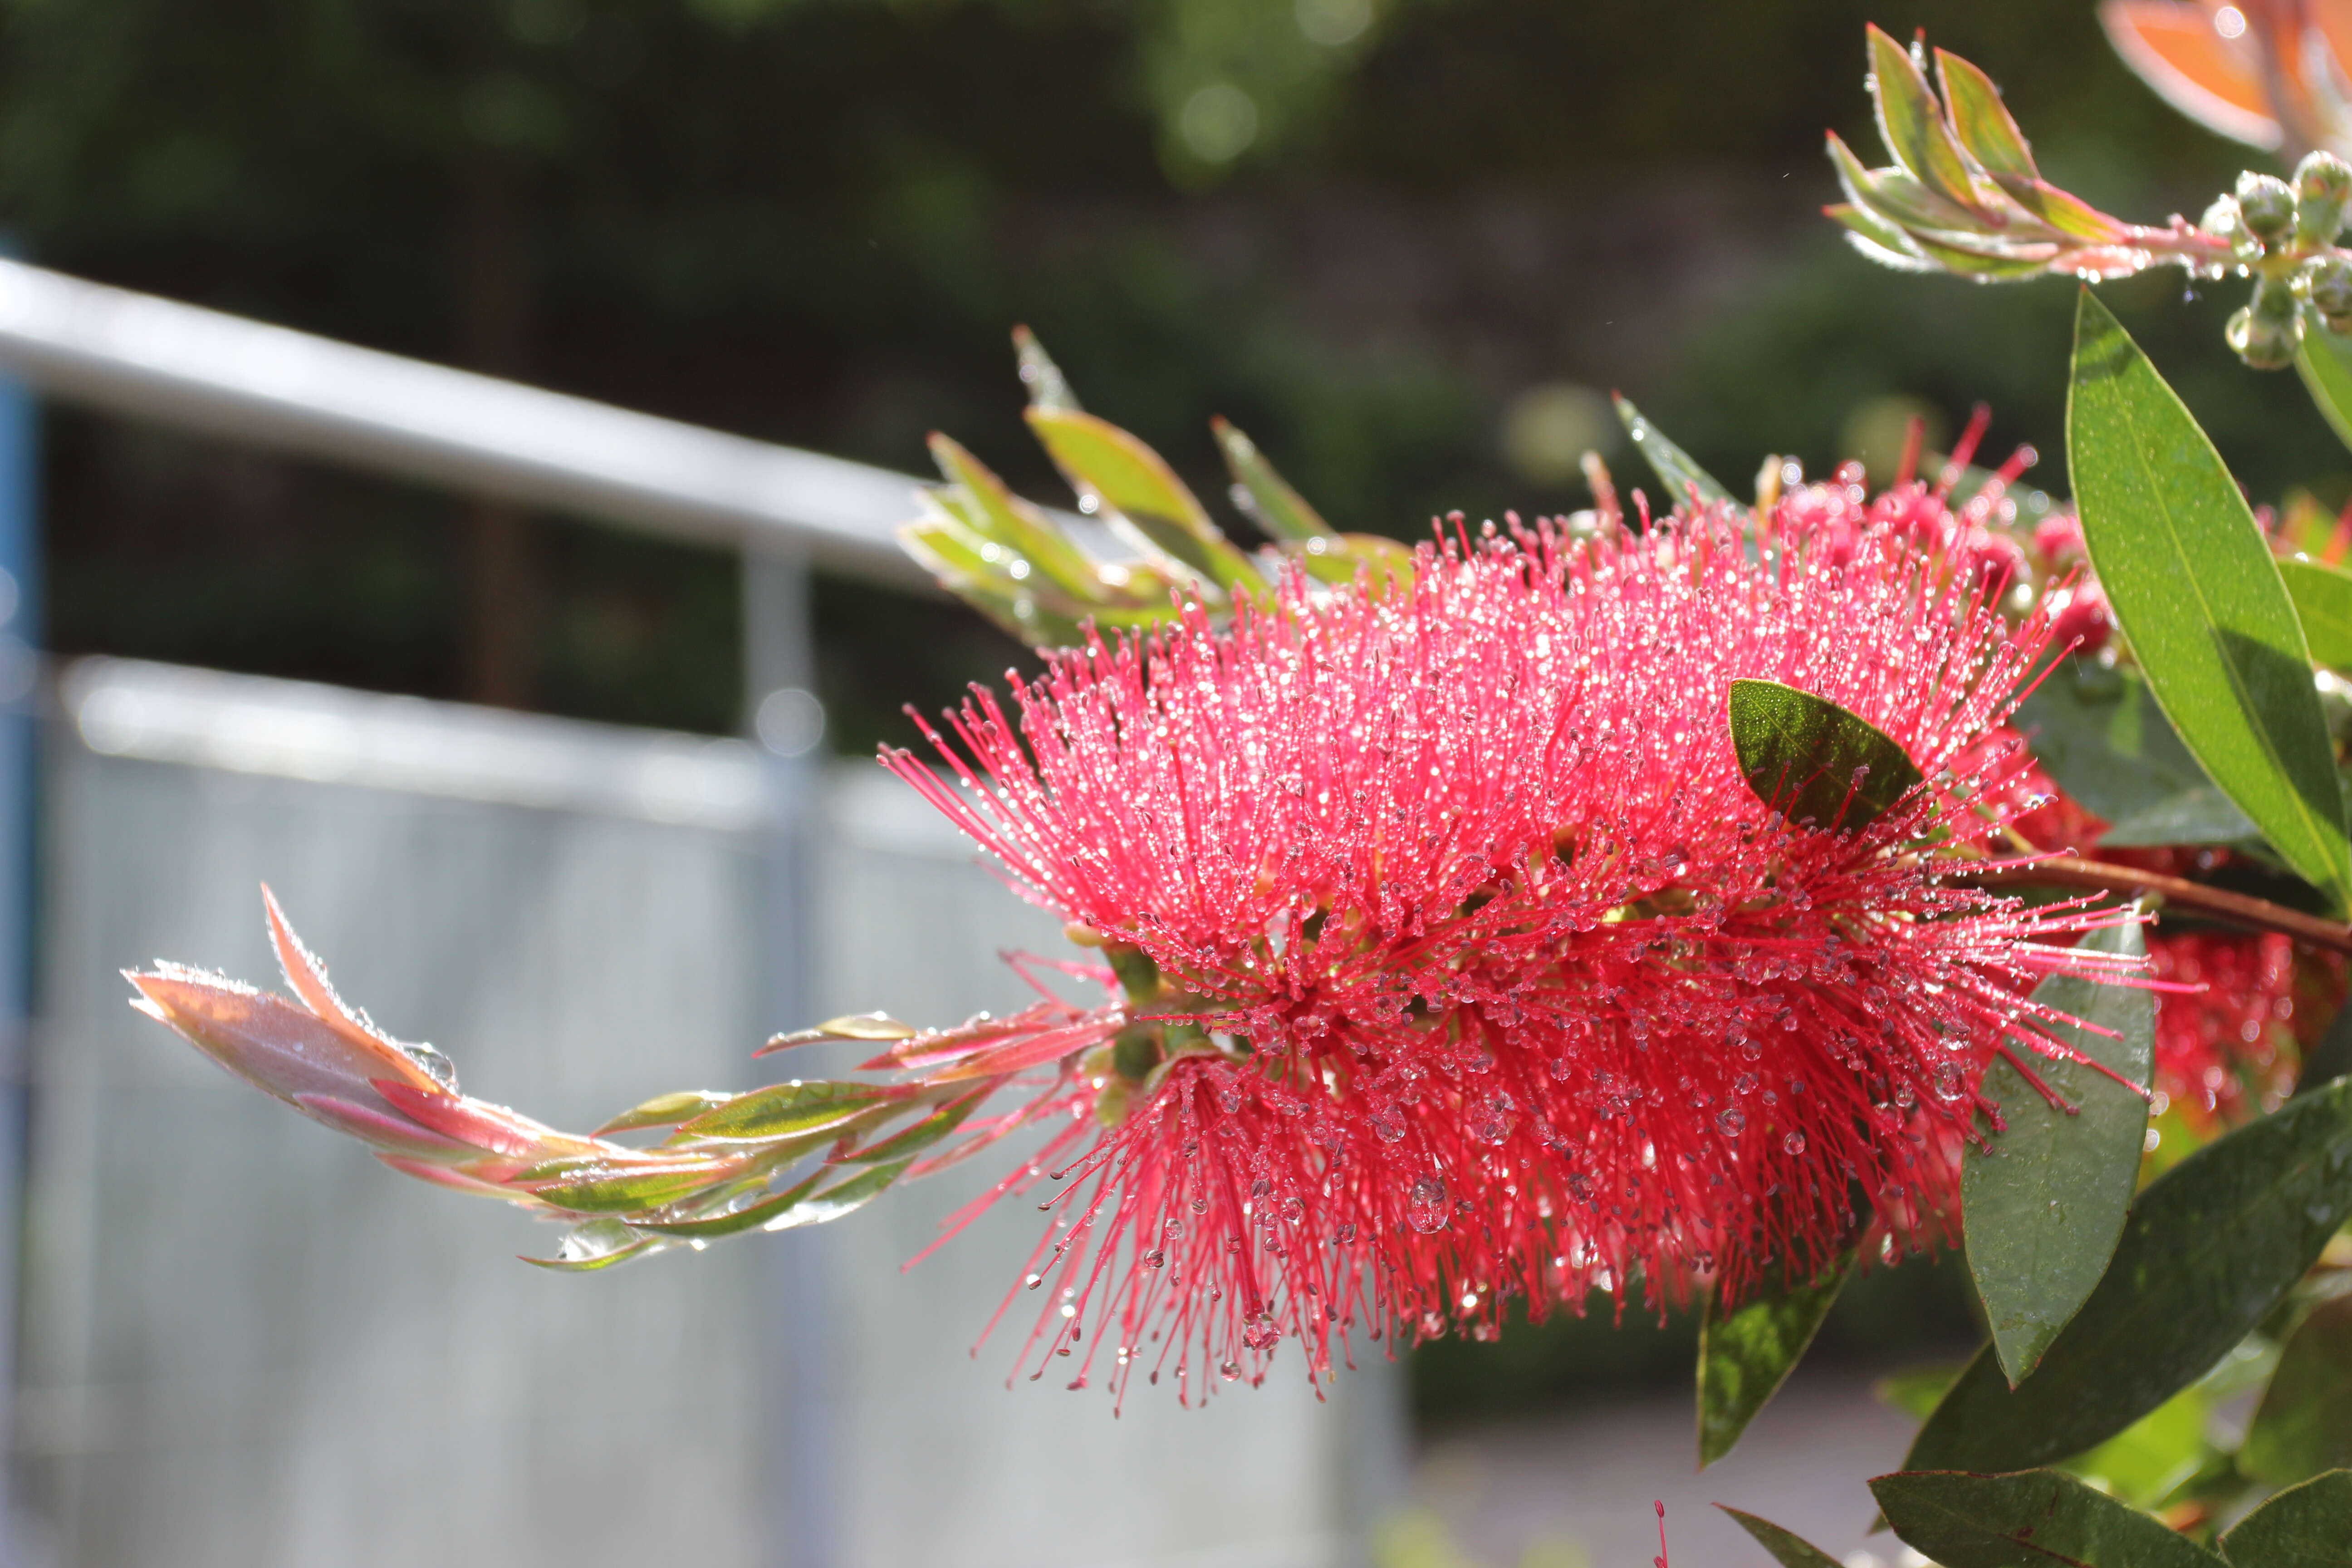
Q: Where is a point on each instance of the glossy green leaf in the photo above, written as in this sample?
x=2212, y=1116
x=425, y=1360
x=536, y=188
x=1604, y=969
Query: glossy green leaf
x=1813, y=760
x=1047, y=387
x=2322, y=598
x=1743, y=1359
x=665, y=1111
x=840, y=1198
x=1896, y=198
x=2309, y=1526
x=2148, y=1460
x=1266, y=495
x=1877, y=239
x=1674, y=467
x=599, y=1243
x=1982, y=121
x=2044, y=1199
x=784, y=1108
x=2098, y=733
x=734, y=1221
x=626, y=1194
x=1013, y=524
x=2039, y=1519
x=872, y=1027
x=1129, y=485
x=2323, y=360
x=914, y=1140
x=2304, y=1425
x=2210, y=1247
x=2193, y=585
x=1911, y=121
x=1789, y=1551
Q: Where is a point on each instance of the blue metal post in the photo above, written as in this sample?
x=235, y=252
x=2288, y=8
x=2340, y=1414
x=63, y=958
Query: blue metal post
x=20, y=635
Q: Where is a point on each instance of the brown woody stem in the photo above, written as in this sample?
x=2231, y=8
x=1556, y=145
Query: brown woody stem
x=2101, y=876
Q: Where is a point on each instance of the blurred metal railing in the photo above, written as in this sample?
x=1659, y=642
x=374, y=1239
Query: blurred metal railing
x=271, y=386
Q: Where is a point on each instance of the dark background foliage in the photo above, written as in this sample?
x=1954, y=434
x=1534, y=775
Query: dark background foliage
x=815, y=221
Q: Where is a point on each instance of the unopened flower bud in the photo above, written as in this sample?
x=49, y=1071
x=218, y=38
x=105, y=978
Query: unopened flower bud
x=2265, y=333
x=2322, y=184
x=2328, y=285
x=2223, y=220
x=2266, y=206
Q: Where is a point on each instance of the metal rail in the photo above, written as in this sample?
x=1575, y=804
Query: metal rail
x=271, y=386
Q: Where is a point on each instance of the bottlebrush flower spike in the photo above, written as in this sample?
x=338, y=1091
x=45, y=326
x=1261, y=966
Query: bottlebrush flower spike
x=1456, y=961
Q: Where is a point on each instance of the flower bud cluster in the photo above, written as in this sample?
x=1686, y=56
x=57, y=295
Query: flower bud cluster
x=2285, y=236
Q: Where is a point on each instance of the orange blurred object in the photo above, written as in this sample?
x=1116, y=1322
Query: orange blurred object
x=2266, y=72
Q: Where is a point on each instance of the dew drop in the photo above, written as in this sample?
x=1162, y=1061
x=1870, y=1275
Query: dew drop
x=1794, y=1142
x=1732, y=1120
x=1425, y=1204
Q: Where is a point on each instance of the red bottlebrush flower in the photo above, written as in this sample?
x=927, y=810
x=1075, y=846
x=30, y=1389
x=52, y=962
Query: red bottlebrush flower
x=1464, y=964
x=2235, y=1013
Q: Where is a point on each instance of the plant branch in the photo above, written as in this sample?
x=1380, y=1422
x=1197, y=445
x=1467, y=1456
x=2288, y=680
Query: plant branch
x=2072, y=871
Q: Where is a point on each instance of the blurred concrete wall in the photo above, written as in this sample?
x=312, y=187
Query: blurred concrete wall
x=245, y=1343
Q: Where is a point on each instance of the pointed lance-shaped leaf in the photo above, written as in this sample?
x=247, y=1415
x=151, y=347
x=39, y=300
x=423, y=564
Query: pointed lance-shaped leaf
x=1745, y=1356
x=1911, y=121
x=2304, y=1424
x=850, y=1027
x=785, y=1109
x=840, y=1199
x=1001, y=516
x=2324, y=361
x=2302, y=1527
x=2045, y=1197
x=1789, y=1551
x=1135, y=490
x=734, y=1221
x=599, y=1243
x=2212, y=1246
x=1813, y=762
x=1039, y=373
x=2323, y=601
x=666, y=1110
x=1264, y=494
x=2192, y=583
x=1674, y=467
x=2040, y=1519
x=1982, y=122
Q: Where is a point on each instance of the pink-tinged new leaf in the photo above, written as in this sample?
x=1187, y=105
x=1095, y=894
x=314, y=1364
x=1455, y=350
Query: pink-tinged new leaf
x=456, y=1180
x=493, y=1128
x=1912, y=122
x=273, y=1045
x=393, y=1134
x=1982, y=121
x=307, y=977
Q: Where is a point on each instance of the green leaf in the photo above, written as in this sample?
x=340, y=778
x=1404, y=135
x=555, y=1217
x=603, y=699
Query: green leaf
x=873, y=1026
x=2210, y=1247
x=782, y=1110
x=2304, y=1527
x=2304, y=1425
x=999, y=515
x=842, y=1198
x=913, y=1140
x=665, y=1111
x=1811, y=761
x=2322, y=598
x=1911, y=121
x=599, y=1243
x=2323, y=360
x=1916, y=1390
x=2193, y=585
x=1125, y=481
x=2039, y=1519
x=1669, y=462
x=2144, y=1463
x=1263, y=494
x=1983, y=122
x=1788, y=1550
x=1745, y=1358
x=1041, y=376
x=2044, y=1199
x=626, y=1194
x=734, y=1221
x=1877, y=239
x=2099, y=734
